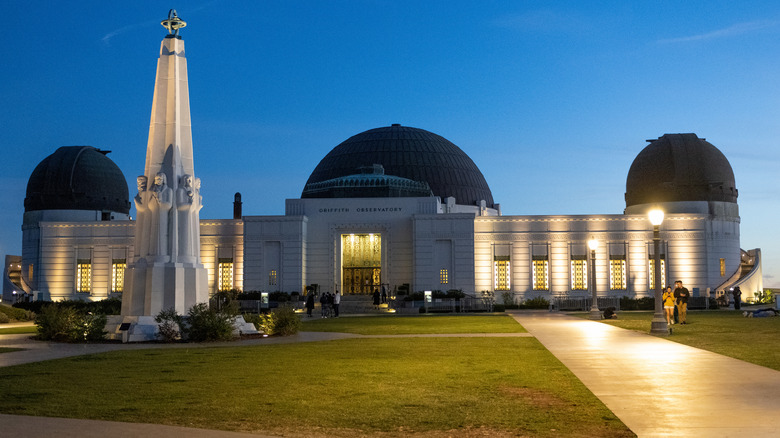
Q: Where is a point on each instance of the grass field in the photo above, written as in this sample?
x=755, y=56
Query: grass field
x=405, y=325
x=391, y=387
x=755, y=340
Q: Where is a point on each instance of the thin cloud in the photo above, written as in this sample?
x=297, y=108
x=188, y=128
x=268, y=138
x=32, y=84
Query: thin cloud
x=733, y=30
x=107, y=37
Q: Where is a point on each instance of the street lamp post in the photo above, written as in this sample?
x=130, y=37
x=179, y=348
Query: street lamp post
x=594, y=305
x=658, y=325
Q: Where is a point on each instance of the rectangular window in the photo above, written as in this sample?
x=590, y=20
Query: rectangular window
x=722, y=268
x=30, y=272
x=118, y=275
x=272, y=278
x=579, y=273
x=225, y=274
x=501, y=273
x=443, y=276
x=84, y=276
x=651, y=276
x=541, y=273
x=617, y=273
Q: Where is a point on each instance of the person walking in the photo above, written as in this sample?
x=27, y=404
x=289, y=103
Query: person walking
x=376, y=298
x=737, y=298
x=681, y=295
x=668, y=301
x=336, y=302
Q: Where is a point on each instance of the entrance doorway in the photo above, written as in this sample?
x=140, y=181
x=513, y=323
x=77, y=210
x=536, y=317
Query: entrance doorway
x=361, y=263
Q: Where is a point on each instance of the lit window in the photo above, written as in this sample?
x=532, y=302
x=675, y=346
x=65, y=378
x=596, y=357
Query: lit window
x=722, y=268
x=272, y=278
x=579, y=273
x=444, y=276
x=118, y=275
x=501, y=276
x=617, y=273
x=651, y=267
x=30, y=271
x=225, y=273
x=541, y=274
x=84, y=276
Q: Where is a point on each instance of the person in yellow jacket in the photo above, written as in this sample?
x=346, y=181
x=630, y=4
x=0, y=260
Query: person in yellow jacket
x=668, y=300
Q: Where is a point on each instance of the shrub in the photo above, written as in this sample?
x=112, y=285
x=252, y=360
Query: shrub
x=4, y=318
x=170, y=329
x=16, y=313
x=56, y=323
x=110, y=306
x=644, y=303
x=255, y=319
x=499, y=307
x=207, y=324
x=66, y=324
x=92, y=326
x=283, y=321
x=535, y=303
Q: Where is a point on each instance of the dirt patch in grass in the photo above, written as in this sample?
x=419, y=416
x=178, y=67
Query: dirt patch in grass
x=533, y=396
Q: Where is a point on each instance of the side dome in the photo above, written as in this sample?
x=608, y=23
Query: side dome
x=77, y=178
x=409, y=153
x=680, y=167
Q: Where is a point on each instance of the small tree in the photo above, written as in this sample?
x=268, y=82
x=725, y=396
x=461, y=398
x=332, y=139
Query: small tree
x=283, y=321
x=206, y=324
x=171, y=323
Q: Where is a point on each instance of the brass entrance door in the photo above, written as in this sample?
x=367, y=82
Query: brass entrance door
x=361, y=263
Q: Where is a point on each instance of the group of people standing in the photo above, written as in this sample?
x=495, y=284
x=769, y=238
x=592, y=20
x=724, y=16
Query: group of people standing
x=328, y=302
x=676, y=303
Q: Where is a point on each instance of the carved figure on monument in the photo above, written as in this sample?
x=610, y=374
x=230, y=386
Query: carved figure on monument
x=197, y=204
x=160, y=204
x=141, y=201
x=185, y=204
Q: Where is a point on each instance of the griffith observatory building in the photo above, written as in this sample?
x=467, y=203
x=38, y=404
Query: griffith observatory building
x=394, y=206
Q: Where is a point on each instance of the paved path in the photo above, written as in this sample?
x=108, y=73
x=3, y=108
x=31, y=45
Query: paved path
x=660, y=388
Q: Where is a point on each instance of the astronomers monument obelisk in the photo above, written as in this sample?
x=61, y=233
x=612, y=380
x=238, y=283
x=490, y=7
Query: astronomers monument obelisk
x=166, y=272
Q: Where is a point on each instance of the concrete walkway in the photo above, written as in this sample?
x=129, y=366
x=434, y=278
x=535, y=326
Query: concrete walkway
x=660, y=388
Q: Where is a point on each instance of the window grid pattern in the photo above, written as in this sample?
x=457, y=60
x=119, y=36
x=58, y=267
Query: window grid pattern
x=118, y=267
x=722, y=268
x=579, y=274
x=502, y=271
x=541, y=273
x=617, y=274
x=225, y=274
x=272, y=277
x=651, y=276
x=444, y=276
x=84, y=276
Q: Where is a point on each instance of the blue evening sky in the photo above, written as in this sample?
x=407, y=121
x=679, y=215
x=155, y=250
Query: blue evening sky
x=551, y=99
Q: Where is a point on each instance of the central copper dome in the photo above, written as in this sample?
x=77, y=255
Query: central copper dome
x=410, y=153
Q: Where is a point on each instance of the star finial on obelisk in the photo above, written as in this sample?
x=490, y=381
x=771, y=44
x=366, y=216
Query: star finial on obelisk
x=173, y=23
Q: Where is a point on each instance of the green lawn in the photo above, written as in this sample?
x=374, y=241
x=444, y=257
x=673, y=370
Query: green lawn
x=755, y=340
x=355, y=387
x=404, y=325
x=31, y=329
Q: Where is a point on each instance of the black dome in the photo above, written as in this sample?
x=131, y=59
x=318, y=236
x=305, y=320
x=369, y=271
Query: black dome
x=77, y=178
x=680, y=167
x=410, y=153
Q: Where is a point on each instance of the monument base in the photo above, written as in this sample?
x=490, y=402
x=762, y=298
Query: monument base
x=153, y=287
x=146, y=329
